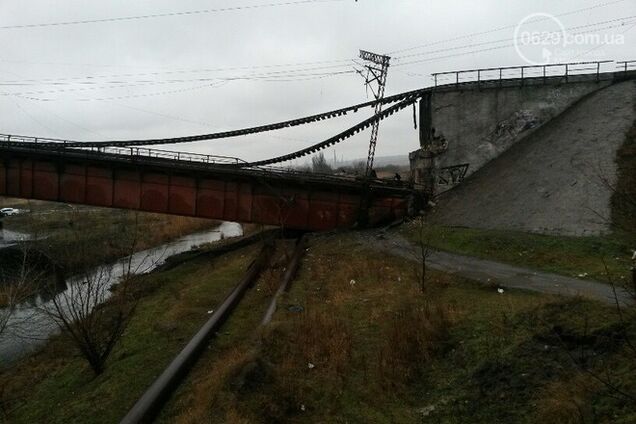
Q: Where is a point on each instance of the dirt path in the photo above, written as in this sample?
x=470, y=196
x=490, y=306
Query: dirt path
x=496, y=273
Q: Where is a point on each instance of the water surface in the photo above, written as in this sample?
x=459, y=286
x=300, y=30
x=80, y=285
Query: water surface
x=29, y=326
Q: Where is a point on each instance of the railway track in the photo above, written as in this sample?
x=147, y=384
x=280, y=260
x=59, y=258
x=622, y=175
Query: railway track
x=149, y=405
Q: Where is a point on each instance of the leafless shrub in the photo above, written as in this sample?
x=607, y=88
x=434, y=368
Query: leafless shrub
x=98, y=303
x=92, y=316
x=18, y=282
x=422, y=250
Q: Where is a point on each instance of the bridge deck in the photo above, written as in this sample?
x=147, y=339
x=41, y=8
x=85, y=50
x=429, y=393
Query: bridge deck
x=192, y=188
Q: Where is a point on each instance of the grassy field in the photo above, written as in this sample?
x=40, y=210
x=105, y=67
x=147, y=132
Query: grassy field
x=368, y=346
x=56, y=386
x=583, y=257
x=353, y=341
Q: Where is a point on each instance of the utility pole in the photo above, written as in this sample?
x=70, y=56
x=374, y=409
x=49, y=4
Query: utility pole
x=377, y=70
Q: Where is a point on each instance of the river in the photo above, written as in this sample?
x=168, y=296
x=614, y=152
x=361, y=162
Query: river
x=9, y=238
x=30, y=328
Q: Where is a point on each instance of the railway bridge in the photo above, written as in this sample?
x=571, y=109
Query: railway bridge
x=127, y=174
x=187, y=184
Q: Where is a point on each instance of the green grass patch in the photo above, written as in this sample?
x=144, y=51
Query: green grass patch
x=583, y=257
x=56, y=386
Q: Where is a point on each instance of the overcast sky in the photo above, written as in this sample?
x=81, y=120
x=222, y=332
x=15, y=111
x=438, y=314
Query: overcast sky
x=177, y=75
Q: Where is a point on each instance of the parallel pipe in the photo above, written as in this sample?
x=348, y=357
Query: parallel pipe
x=150, y=403
x=286, y=278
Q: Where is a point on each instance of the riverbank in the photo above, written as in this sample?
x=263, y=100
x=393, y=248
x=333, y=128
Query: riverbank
x=353, y=341
x=80, y=237
x=28, y=327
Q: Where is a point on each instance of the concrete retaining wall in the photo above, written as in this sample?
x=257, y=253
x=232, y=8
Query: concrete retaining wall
x=480, y=123
x=555, y=181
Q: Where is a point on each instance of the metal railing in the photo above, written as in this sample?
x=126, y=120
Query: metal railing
x=132, y=152
x=626, y=65
x=193, y=160
x=520, y=73
x=451, y=175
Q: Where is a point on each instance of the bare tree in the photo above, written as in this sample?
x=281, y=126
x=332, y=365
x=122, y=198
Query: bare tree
x=91, y=315
x=98, y=303
x=319, y=164
x=422, y=249
x=18, y=282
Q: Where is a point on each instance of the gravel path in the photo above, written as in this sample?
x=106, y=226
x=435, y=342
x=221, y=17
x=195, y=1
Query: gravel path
x=490, y=272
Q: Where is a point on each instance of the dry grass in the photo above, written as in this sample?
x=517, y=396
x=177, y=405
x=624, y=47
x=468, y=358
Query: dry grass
x=566, y=401
x=205, y=389
x=12, y=202
x=324, y=340
x=364, y=318
x=381, y=351
x=414, y=335
x=161, y=228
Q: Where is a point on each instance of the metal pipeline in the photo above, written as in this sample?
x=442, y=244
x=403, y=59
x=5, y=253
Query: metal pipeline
x=148, y=406
x=286, y=278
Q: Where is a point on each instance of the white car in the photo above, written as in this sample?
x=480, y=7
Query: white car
x=9, y=211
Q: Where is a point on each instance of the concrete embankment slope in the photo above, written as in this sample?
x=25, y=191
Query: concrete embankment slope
x=554, y=181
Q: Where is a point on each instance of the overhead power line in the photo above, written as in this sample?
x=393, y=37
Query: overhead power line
x=294, y=67
x=285, y=75
x=508, y=39
x=502, y=28
x=269, y=66
x=166, y=15
x=96, y=80
x=335, y=65
x=132, y=96
x=509, y=45
x=123, y=84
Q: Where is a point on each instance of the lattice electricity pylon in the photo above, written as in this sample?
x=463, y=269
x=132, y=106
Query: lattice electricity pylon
x=377, y=71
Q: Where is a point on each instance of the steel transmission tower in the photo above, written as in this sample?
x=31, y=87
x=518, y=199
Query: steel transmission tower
x=377, y=70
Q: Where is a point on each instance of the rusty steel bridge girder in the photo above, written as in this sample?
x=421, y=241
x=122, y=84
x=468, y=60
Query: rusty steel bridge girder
x=292, y=200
